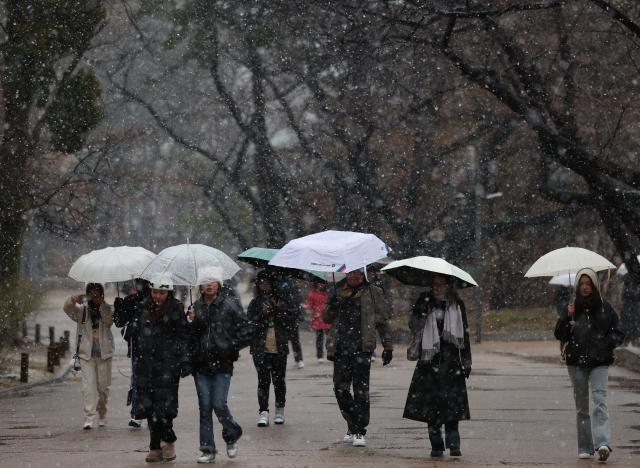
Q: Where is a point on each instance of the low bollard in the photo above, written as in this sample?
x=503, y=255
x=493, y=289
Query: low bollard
x=52, y=335
x=24, y=367
x=57, y=352
x=67, y=340
x=25, y=330
x=50, y=358
x=37, y=334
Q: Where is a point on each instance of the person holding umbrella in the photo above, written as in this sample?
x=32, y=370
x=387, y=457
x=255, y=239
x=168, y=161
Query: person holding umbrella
x=356, y=309
x=274, y=320
x=590, y=330
x=94, y=318
x=217, y=320
x=440, y=343
x=160, y=356
x=124, y=312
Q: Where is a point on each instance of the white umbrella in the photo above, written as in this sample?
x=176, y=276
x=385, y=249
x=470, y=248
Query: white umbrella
x=190, y=265
x=566, y=260
x=331, y=251
x=111, y=264
x=567, y=280
x=419, y=271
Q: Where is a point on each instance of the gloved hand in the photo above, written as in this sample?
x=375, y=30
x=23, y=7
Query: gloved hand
x=118, y=304
x=387, y=356
x=467, y=372
x=185, y=370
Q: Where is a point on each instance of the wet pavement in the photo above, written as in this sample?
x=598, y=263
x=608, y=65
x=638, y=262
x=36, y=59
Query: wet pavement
x=520, y=397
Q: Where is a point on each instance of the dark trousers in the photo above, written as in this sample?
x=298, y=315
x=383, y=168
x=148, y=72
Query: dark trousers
x=271, y=368
x=353, y=370
x=296, y=347
x=160, y=430
x=451, y=434
x=320, y=343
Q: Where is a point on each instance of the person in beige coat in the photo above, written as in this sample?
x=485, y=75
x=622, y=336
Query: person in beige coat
x=94, y=318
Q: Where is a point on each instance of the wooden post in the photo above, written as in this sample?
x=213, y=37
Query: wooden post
x=66, y=340
x=24, y=367
x=50, y=358
x=24, y=329
x=57, y=352
x=37, y=334
x=52, y=335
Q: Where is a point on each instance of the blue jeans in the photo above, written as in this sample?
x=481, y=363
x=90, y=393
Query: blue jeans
x=212, y=397
x=593, y=427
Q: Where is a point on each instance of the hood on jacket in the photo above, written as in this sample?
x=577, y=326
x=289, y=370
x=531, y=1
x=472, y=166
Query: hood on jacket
x=594, y=279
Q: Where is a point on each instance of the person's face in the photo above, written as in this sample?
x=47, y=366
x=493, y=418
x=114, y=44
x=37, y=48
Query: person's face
x=439, y=287
x=95, y=296
x=585, y=286
x=210, y=289
x=159, y=296
x=264, y=286
x=139, y=285
x=355, y=278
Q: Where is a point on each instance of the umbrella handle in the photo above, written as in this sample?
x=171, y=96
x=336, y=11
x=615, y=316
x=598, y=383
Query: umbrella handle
x=118, y=289
x=190, y=298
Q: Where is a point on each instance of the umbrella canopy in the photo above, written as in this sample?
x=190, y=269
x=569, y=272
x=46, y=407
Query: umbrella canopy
x=622, y=269
x=567, y=280
x=111, y=264
x=331, y=251
x=419, y=271
x=566, y=260
x=190, y=265
x=260, y=256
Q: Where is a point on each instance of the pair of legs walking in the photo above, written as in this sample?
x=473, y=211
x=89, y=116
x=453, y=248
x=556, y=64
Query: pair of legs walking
x=271, y=367
x=96, y=378
x=451, y=438
x=213, y=391
x=320, y=344
x=593, y=427
x=352, y=371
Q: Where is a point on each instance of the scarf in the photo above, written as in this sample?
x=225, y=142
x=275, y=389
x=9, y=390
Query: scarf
x=453, y=331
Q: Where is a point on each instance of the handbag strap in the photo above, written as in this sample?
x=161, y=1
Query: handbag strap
x=78, y=334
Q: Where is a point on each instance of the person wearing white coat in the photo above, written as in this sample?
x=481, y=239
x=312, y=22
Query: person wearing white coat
x=94, y=318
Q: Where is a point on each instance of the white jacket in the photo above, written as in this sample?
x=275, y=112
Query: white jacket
x=75, y=313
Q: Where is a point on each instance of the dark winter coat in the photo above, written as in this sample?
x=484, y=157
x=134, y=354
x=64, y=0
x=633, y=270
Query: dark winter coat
x=214, y=333
x=590, y=342
x=125, y=310
x=375, y=312
x=160, y=351
x=438, y=392
x=284, y=321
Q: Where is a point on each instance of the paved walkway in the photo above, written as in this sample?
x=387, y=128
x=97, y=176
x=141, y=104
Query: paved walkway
x=521, y=407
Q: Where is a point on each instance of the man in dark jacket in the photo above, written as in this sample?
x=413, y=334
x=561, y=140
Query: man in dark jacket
x=124, y=311
x=356, y=309
x=217, y=320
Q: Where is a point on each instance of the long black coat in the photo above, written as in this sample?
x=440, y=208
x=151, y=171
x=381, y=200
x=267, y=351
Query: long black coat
x=438, y=392
x=284, y=319
x=214, y=331
x=160, y=350
x=590, y=342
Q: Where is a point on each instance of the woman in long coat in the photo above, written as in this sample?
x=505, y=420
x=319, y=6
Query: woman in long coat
x=160, y=336
x=440, y=344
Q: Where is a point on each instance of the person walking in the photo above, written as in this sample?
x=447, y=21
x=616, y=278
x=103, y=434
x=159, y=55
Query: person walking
x=589, y=331
x=124, y=312
x=216, y=318
x=355, y=310
x=290, y=298
x=440, y=343
x=94, y=318
x=160, y=355
x=316, y=300
x=274, y=320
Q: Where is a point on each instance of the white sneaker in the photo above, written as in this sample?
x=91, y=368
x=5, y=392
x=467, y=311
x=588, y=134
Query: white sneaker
x=206, y=457
x=279, y=418
x=603, y=453
x=359, y=440
x=263, y=420
x=584, y=456
x=88, y=424
x=320, y=360
x=102, y=422
x=347, y=438
x=232, y=450
x=299, y=365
